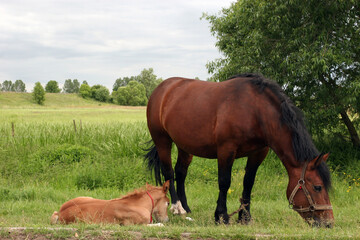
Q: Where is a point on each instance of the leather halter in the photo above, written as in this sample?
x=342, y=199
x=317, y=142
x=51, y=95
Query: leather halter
x=312, y=206
x=153, y=205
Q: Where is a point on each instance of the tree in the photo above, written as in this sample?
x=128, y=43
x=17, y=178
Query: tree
x=134, y=94
x=149, y=80
x=122, y=82
x=52, y=87
x=101, y=94
x=311, y=48
x=7, y=86
x=19, y=86
x=39, y=93
x=71, y=86
x=94, y=88
x=85, y=91
x=76, y=86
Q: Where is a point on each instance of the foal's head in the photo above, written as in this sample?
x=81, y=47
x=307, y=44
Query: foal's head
x=161, y=201
x=308, y=192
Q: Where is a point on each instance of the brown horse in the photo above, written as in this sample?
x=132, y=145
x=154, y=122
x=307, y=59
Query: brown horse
x=135, y=208
x=243, y=116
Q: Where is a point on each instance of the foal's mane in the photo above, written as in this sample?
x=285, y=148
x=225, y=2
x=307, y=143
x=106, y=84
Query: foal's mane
x=292, y=117
x=137, y=193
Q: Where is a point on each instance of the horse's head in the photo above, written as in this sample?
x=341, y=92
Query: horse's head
x=161, y=202
x=308, y=192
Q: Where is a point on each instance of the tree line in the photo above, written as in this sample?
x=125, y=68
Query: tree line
x=128, y=91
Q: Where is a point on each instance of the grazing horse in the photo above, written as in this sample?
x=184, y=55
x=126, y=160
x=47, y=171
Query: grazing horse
x=134, y=208
x=243, y=116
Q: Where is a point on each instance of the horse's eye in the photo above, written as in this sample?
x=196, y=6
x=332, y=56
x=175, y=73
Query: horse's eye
x=317, y=188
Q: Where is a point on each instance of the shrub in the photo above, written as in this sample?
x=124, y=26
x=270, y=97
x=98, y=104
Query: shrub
x=85, y=91
x=102, y=94
x=39, y=93
x=55, y=155
x=134, y=94
x=52, y=87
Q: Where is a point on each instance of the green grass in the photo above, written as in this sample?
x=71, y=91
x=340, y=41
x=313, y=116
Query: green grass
x=47, y=163
x=52, y=100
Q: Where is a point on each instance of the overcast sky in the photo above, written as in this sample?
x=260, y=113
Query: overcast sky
x=100, y=41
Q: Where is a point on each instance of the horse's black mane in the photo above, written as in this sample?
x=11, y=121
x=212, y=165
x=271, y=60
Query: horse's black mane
x=293, y=118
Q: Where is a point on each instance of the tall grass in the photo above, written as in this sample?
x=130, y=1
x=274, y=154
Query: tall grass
x=47, y=162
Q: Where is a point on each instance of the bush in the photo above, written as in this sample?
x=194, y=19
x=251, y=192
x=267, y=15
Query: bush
x=134, y=94
x=52, y=87
x=39, y=93
x=85, y=91
x=102, y=94
x=65, y=154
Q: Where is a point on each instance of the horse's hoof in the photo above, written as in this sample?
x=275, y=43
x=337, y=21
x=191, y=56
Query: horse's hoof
x=177, y=209
x=244, y=217
x=222, y=219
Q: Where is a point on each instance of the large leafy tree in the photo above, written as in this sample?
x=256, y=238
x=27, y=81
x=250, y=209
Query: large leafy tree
x=312, y=48
x=52, y=87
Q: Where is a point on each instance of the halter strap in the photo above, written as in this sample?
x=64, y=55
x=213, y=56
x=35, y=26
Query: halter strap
x=153, y=205
x=301, y=185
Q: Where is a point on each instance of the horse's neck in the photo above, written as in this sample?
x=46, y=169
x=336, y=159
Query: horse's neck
x=137, y=200
x=283, y=147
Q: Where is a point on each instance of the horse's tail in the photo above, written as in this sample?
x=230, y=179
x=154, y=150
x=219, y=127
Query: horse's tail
x=153, y=162
x=54, y=218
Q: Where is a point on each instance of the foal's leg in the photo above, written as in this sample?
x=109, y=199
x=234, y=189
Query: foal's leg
x=225, y=162
x=164, y=150
x=181, y=167
x=253, y=162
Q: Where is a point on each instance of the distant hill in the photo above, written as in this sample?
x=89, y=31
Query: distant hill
x=52, y=100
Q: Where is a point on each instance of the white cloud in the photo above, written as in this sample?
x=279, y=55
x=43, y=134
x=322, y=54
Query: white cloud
x=42, y=40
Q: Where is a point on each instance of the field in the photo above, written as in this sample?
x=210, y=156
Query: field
x=71, y=147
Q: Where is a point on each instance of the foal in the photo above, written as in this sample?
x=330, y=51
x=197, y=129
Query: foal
x=134, y=208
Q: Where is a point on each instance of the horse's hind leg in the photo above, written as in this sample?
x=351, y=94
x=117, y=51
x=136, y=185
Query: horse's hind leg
x=182, y=164
x=164, y=150
x=253, y=163
x=54, y=218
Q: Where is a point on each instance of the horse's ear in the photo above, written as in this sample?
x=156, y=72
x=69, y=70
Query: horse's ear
x=166, y=186
x=325, y=157
x=319, y=159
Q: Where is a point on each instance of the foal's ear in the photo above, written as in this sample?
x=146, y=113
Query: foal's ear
x=166, y=186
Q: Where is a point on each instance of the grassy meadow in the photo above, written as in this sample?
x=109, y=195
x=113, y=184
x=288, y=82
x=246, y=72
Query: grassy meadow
x=44, y=162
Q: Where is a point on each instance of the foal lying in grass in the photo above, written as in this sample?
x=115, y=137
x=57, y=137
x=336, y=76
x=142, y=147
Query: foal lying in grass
x=137, y=207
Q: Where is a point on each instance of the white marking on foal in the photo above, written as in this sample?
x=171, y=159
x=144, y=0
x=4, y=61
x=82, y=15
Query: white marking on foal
x=177, y=208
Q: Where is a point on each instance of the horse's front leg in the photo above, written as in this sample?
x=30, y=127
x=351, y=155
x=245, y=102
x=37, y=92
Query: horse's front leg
x=225, y=162
x=253, y=162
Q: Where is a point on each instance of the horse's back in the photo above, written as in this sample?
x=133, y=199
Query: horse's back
x=81, y=209
x=197, y=114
